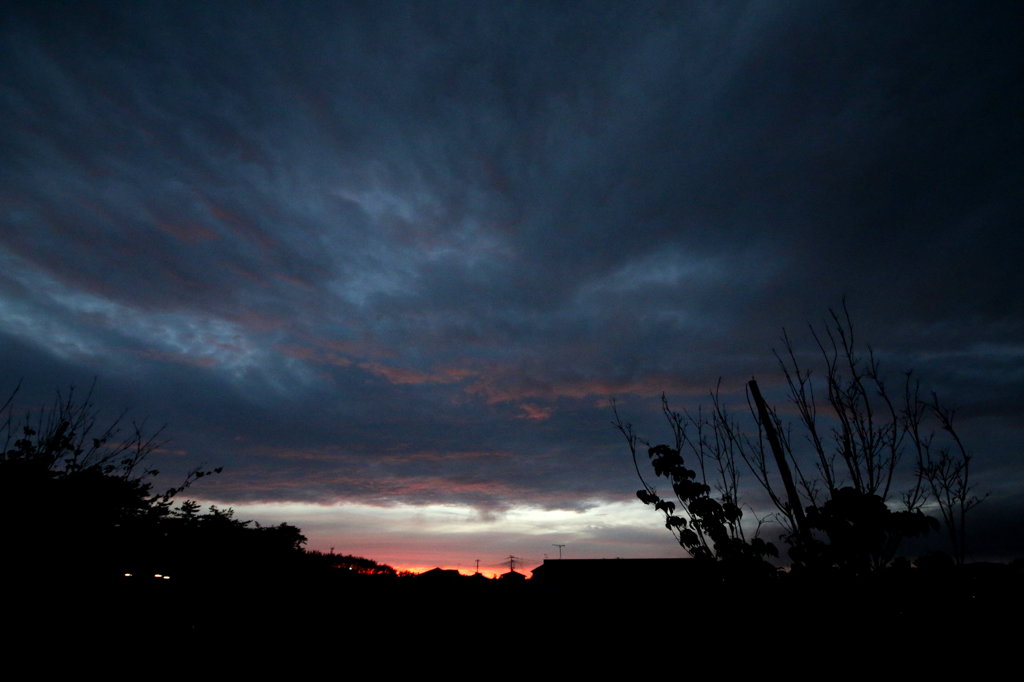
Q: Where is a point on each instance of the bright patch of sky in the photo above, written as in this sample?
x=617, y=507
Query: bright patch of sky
x=82, y=318
x=379, y=202
x=662, y=270
x=451, y=521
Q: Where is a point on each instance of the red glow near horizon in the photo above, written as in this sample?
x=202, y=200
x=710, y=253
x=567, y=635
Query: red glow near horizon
x=422, y=568
x=400, y=565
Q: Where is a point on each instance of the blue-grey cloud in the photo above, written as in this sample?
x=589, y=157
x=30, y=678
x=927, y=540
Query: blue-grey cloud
x=409, y=251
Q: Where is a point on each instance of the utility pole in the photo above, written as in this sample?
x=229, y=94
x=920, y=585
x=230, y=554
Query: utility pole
x=559, y=549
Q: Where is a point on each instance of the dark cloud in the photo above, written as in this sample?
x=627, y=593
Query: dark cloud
x=406, y=252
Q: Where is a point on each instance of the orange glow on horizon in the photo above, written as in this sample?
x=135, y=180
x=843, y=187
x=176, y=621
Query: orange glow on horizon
x=422, y=568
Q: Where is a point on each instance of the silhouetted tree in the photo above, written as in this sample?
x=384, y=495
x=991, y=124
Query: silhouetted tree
x=830, y=487
x=76, y=498
x=946, y=469
x=71, y=490
x=709, y=526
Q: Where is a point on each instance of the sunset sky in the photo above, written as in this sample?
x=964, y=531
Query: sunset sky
x=388, y=262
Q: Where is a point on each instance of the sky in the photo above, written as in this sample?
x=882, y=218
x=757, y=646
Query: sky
x=388, y=263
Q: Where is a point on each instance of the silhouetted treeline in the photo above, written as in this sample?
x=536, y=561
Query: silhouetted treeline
x=355, y=565
x=78, y=504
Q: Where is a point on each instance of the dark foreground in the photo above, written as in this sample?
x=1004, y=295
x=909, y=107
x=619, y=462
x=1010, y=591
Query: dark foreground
x=907, y=618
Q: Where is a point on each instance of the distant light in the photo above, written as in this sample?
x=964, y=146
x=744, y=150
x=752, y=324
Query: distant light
x=127, y=575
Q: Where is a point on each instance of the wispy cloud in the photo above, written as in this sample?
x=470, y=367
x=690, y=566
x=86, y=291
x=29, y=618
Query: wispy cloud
x=408, y=252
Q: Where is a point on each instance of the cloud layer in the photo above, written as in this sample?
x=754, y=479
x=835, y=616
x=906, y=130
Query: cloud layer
x=404, y=254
